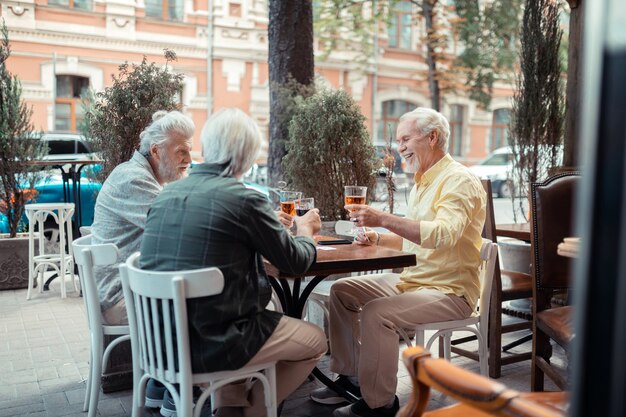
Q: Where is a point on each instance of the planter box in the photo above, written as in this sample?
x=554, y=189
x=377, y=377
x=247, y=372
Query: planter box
x=13, y=262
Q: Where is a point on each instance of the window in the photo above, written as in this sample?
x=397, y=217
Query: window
x=165, y=9
x=500, y=128
x=456, y=129
x=400, y=28
x=68, y=111
x=392, y=110
x=72, y=4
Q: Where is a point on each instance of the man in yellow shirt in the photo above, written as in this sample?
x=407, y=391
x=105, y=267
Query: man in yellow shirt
x=443, y=226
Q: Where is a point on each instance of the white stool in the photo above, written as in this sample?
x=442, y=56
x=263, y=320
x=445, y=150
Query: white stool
x=61, y=262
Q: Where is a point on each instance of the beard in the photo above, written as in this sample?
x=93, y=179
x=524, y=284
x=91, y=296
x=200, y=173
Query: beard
x=170, y=171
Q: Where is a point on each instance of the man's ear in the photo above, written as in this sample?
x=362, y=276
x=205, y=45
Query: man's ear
x=433, y=138
x=154, y=151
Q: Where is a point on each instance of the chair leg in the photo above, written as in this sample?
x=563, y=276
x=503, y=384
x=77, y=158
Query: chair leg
x=89, y=382
x=95, y=382
x=271, y=405
x=447, y=342
x=483, y=355
x=419, y=338
x=495, y=340
x=541, y=348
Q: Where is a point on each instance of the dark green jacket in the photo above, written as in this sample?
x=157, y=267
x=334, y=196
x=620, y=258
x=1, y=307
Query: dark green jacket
x=209, y=220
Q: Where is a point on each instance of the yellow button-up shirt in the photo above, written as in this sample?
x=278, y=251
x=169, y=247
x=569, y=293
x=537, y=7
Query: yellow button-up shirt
x=450, y=203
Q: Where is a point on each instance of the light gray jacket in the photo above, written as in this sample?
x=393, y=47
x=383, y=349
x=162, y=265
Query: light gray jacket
x=120, y=218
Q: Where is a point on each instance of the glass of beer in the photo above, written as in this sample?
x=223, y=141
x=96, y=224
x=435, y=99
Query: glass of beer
x=288, y=201
x=355, y=194
x=303, y=205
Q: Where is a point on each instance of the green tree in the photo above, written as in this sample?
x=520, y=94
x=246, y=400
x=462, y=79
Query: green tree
x=329, y=148
x=487, y=33
x=116, y=116
x=18, y=143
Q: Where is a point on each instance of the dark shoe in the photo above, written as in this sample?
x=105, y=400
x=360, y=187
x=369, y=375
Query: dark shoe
x=328, y=396
x=154, y=394
x=361, y=409
x=168, y=409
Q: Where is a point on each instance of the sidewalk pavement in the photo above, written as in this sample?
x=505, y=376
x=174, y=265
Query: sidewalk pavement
x=44, y=351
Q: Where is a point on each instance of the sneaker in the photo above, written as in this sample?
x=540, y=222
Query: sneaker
x=361, y=409
x=328, y=396
x=168, y=409
x=154, y=394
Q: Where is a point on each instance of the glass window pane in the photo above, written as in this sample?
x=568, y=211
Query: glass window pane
x=405, y=32
x=82, y=4
x=61, y=124
x=175, y=9
x=393, y=34
x=154, y=8
x=79, y=84
x=62, y=110
x=501, y=116
x=65, y=3
x=64, y=86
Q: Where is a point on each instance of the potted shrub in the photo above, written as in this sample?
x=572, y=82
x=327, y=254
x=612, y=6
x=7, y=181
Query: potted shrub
x=17, y=178
x=328, y=148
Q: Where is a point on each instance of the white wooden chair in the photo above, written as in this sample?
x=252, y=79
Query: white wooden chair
x=478, y=323
x=154, y=297
x=86, y=257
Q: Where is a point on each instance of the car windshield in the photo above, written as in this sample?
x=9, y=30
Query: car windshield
x=62, y=147
x=498, y=159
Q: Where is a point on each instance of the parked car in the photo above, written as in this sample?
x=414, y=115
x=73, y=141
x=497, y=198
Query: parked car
x=62, y=146
x=497, y=167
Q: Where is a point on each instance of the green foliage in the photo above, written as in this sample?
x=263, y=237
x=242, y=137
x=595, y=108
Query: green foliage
x=18, y=143
x=328, y=148
x=117, y=115
x=536, y=128
x=489, y=38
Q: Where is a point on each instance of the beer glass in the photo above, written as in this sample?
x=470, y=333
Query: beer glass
x=288, y=201
x=355, y=194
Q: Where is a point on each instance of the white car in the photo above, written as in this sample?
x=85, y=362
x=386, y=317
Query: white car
x=497, y=167
x=67, y=146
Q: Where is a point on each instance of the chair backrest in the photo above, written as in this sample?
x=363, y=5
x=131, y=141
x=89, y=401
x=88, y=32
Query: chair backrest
x=86, y=256
x=488, y=257
x=489, y=230
x=160, y=342
x=486, y=396
x=552, y=215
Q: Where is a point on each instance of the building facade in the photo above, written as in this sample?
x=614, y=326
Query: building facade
x=61, y=47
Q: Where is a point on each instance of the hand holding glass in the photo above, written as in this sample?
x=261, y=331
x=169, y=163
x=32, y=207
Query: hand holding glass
x=355, y=194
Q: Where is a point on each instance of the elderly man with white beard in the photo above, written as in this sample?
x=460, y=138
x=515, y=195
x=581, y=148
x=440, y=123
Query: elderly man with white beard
x=122, y=205
x=443, y=226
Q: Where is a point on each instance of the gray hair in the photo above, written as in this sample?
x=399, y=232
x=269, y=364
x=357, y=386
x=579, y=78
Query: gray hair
x=426, y=120
x=230, y=137
x=165, y=125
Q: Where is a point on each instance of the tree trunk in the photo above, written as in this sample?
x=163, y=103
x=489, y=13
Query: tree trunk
x=572, y=113
x=428, y=7
x=290, y=54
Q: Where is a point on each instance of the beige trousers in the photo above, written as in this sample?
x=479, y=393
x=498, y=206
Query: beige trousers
x=116, y=314
x=364, y=315
x=297, y=346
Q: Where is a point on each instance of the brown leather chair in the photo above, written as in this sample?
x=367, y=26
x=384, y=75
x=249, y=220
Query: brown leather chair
x=507, y=286
x=552, y=204
x=478, y=396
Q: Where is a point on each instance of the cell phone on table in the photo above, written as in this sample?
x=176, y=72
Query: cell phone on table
x=335, y=242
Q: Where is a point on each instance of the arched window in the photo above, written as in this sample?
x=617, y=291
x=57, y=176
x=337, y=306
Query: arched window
x=392, y=110
x=165, y=9
x=500, y=128
x=68, y=111
x=455, y=143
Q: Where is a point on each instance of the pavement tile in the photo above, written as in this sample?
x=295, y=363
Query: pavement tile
x=27, y=409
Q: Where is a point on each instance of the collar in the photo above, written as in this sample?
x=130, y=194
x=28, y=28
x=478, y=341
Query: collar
x=143, y=161
x=207, y=169
x=427, y=177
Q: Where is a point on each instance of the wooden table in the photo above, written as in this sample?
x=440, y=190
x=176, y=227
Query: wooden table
x=344, y=259
x=519, y=231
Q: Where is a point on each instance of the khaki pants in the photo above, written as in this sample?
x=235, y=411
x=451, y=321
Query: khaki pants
x=116, y=315
x=364, y=315
x=297, y=346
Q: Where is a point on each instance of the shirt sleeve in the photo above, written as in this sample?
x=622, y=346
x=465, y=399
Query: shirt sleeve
x=460, y=200
x=290, y=254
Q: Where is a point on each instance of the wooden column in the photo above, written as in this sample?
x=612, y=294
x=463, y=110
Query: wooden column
x=572, y=114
